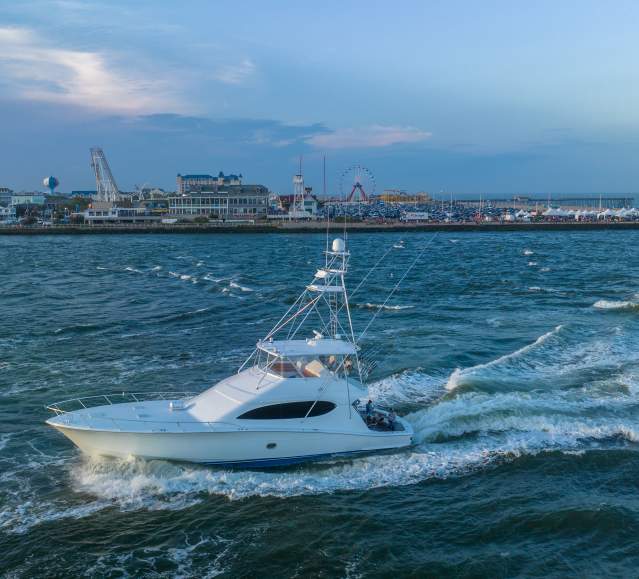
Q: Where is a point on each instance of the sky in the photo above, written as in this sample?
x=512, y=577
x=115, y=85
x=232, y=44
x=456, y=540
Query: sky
x=488, y=97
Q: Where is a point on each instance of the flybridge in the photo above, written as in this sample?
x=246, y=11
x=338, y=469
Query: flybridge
x=310, y=347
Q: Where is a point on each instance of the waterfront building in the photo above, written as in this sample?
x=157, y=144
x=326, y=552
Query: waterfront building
x=27, y=199
x=103, y=212
x=5, y=196
x=189, y=183
x=8, y=215
x=222, y=202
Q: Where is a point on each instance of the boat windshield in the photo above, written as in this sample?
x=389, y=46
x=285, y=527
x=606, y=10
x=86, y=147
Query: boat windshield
x=304, y=366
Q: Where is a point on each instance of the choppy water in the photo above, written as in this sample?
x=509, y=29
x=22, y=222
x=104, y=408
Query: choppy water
x=514, y=356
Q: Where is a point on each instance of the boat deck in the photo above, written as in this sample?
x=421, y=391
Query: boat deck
x=379, y=422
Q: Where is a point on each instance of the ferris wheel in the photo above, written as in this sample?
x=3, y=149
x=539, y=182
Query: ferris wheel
x=357, y=183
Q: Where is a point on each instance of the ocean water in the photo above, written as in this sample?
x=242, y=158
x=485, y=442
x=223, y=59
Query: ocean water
x=513, y=355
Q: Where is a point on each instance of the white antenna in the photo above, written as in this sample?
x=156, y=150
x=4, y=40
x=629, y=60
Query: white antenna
x=328, y=212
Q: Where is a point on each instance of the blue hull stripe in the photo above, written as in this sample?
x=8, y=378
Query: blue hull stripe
x=287, y=461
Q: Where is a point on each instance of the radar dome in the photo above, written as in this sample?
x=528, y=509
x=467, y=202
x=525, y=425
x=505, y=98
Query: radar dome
x=338, y=245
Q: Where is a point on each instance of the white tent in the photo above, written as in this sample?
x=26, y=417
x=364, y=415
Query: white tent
x=557, y=212
x=607, y=214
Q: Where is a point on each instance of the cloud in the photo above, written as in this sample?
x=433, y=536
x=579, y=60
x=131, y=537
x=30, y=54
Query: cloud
x=368, y=137
x=235, y=73
x=244, y=131
x=32, y=69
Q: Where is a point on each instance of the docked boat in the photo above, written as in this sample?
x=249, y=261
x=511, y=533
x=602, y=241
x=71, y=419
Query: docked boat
x=294, y=399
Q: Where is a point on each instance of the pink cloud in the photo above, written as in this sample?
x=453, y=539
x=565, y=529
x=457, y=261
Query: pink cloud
x=368, y=137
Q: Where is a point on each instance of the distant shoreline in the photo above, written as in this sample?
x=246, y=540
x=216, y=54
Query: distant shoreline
x=312, y=227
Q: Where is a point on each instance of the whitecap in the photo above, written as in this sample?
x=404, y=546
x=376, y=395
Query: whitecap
x=537, y=289
x=240, y=287
x=132, y=269
x=532, y=263
x=383, y=306
x=208, y=277
x=615, y=305
x=528, y=252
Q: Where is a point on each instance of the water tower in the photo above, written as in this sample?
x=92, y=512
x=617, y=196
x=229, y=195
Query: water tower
x=51, y=183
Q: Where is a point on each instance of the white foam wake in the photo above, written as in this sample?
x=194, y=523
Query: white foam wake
x=455, y=438
x=456, y=378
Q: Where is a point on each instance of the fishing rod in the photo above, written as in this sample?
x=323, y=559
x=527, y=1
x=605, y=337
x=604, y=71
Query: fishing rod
x=396, y=287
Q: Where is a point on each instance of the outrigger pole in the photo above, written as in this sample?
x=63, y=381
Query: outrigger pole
x=395, y=288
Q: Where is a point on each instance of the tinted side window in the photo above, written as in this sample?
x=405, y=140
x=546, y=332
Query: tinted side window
x=288, y=410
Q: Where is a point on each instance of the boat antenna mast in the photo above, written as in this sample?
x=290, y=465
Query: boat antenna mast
x=326, y=297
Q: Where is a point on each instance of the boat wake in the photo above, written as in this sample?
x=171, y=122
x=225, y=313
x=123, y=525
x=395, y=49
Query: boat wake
x=518, y=404
x=460, y=376
x=460, y=427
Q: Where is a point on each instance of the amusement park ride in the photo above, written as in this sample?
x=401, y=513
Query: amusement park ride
x=357, y=184
x=107, y=190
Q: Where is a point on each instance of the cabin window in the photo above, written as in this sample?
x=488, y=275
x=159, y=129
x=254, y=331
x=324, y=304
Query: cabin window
x=288, y=410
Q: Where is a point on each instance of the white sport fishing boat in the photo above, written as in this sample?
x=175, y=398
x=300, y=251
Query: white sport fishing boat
x=294, y=399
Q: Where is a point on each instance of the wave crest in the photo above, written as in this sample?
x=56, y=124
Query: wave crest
x=615, y=305
x=457, y=377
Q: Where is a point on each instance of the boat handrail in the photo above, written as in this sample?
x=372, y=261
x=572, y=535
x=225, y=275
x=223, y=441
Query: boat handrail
x=119, y=397
x=70, y=419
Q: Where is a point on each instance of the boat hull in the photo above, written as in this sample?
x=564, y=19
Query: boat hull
x=236, y=448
